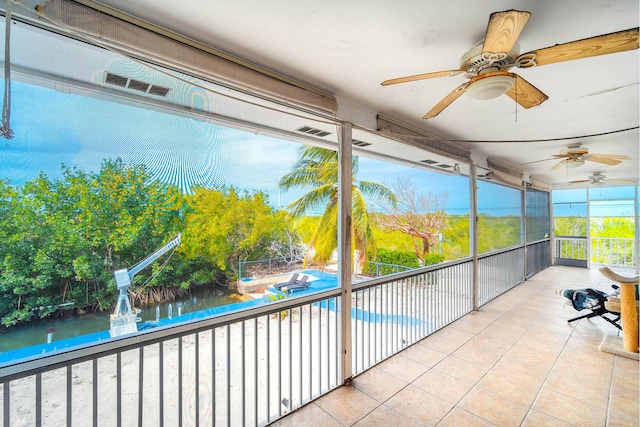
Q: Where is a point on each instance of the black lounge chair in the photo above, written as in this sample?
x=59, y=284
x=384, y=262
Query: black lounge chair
x=293, y=284
x=594, y=301
x=293, y=279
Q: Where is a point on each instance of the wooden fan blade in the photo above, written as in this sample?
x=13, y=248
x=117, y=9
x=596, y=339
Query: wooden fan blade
x=446, y=101
x=600, y=45
x=604, y=160
x=537, y=161
x=526, y=94
x=503, y=30
x=626, y=181
x=559, y=165
x=611, y=156
x=421, y=77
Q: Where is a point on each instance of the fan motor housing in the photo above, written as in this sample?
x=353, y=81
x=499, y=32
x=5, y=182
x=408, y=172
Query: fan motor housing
x=474, y=60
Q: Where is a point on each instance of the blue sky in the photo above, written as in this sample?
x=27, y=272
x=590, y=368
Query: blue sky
x=54, y=128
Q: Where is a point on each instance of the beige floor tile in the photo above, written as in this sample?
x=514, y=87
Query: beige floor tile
x=522, y=370
x=347, y=404
x=523, y=392
x=443, y=386
x=455, y=334
x=441, y=343
x=618, y=419
x=625, y=404
x=492, y=342
x=424, y=355
x=459, y=417
x=378, y=384
x=569, y=409
x=540, y=419
x=309, y=415
x=405, y=369
x=494, y=408
x=478, y=355
x=384, y=416
x=460, y=368
x=595, y=390
x=419, y=406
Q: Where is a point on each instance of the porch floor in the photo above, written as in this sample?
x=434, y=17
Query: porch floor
x=514, y=362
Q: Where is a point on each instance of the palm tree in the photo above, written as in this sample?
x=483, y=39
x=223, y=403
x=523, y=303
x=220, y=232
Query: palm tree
x=318, y=168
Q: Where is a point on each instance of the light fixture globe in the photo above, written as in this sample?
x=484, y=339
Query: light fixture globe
x=490, y=87
x=575, y=162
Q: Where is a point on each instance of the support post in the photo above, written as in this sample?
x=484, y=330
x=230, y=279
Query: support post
x=345, y=245
x=473, y=232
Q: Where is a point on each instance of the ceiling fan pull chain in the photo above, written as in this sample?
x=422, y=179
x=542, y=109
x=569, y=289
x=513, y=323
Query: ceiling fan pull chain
x=5, y=129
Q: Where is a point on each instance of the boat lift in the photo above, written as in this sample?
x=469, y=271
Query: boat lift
x=124, y=319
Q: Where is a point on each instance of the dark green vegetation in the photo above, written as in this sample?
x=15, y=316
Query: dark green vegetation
x=62, y=239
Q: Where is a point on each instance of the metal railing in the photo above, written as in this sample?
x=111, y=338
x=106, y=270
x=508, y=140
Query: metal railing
x=247, y=367
x=613, y=252
x=378, y=269
x=499, y=271
x=573, y=248
x=393, y=312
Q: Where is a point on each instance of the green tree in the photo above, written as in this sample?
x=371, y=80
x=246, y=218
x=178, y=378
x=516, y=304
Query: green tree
x=226, y=228
x=317, y=169
x=62, y=239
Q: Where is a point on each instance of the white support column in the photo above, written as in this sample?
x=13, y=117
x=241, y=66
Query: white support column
x=588, y=244
x=344, y=244
x=637, y=230
x=473, y=225
x=523, y=222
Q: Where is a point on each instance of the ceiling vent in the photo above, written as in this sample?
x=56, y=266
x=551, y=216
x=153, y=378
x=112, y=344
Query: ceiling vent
x=360, y=143
x=443, y=166
x=429, y=162
x=137, y=85
x=313, y=131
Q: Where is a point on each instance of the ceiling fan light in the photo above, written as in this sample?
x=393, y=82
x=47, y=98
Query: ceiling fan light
x=575, y=163
x=490, y=87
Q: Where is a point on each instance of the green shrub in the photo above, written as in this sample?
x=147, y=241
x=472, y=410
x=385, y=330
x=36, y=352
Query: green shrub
x=430, y=259
x=395, y=258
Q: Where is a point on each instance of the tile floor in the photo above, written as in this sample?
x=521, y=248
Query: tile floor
x=515, y=362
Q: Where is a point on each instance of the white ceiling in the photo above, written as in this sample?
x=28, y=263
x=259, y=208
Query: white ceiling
x=348, y=47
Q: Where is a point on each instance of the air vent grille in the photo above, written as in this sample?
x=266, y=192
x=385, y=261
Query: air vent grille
x=313, y=131
x=137, y=85
x=360, y=143
x=443, y=166
x=429, y=162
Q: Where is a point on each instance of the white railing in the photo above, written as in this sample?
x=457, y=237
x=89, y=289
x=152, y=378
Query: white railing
x=613, y=252
x=248, y=367
x=570, y=248
x=395, y=311
x=499, y=271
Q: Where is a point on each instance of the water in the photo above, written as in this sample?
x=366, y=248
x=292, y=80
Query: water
x=36, y=332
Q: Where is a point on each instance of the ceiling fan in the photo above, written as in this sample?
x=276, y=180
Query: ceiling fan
x=599, y=179
x=576, y=155
x=486, y=64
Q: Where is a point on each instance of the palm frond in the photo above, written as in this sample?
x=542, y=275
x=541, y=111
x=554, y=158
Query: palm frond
x=313, y=199
x=377, y=192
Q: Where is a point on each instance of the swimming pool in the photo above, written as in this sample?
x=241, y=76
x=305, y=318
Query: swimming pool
x=319, y=281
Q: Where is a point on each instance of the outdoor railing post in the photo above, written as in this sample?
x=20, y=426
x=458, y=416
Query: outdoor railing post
x=344, y=245
x=473, y=213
